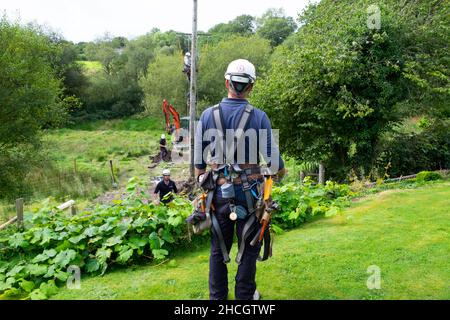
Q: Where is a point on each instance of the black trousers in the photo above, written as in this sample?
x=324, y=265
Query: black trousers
x=163, y=153
x=218, y=272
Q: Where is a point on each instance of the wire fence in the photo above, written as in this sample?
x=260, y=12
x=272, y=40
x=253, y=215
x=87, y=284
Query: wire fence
x=62, y=183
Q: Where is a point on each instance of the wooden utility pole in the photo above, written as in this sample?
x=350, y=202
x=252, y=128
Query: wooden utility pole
x=193, y=88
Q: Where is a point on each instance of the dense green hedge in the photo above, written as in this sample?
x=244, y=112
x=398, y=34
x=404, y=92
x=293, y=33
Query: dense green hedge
x=408, y=153
x=428, y=176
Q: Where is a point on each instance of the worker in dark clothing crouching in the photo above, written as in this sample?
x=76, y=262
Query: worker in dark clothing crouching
x=163, y=147
x=166, y=188
x=237, y=179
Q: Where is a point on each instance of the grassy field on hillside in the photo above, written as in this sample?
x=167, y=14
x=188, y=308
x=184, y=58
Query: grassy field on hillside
x=91, y=67
x=403, y=232
x=77, y=165
x=127, y=143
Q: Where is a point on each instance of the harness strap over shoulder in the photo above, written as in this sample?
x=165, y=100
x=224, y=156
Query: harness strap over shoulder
x=238, y=134
x=218, y=122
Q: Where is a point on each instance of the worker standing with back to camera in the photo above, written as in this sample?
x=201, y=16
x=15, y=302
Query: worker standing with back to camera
x=236, y=180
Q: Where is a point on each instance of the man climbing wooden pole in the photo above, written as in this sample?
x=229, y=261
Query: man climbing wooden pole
x=193, y=88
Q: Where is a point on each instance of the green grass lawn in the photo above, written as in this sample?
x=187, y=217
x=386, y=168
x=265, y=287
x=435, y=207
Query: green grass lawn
x=403, y=232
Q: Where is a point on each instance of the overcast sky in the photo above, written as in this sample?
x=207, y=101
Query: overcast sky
x=86, y=20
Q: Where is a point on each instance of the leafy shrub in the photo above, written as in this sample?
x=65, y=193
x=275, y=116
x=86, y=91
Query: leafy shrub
x=30, y=95
x=214, y=60
x=164, y=80
x=93, y=241
x=334, y=88
x=413, y=152
x=428, y=176
x=298, y=202
x=109, y=97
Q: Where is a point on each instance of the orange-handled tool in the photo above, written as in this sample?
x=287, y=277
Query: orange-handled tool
x=203, y=202
x=268, y=188
x=266, y=216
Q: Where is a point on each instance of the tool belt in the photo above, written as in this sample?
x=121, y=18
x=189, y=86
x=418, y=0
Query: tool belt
x=252, y=177
x=204, y=218
x=253, y=173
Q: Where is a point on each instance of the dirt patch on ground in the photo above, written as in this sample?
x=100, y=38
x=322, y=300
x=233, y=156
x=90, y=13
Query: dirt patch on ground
x=110, y=196
x=185, y=188
x=157, y=158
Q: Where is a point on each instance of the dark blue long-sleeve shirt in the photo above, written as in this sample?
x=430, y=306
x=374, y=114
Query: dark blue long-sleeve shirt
x=260, y=144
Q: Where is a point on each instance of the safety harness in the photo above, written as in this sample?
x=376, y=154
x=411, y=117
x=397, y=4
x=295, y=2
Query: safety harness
x=233, y=171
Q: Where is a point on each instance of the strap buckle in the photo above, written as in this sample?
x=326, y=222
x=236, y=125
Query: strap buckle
x=244, y=180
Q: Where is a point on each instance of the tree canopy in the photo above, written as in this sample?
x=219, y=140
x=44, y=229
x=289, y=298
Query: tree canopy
x=274, y=26
x=214, y=60
x=338, y=84
x=30, y=98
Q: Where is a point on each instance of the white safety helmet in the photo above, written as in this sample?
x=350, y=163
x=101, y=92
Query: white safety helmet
x=166, y=172
x=241, y=70
x=163, y=136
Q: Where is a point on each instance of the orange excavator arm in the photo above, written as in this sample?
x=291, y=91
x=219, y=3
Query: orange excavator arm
x=167, y=108
x=176, y=117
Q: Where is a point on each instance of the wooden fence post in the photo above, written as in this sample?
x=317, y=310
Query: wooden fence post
x=321, y=173
x=302, y=176
x=111, y=168
x=59, y=181
x=75, y=166
x=113, y=179
x=19, y=212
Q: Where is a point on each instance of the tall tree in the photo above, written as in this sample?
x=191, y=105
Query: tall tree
x=243, y=25
x=29, y=99
x=214, y=60
x=164, y=80
x=275, y=26
x=339, y=84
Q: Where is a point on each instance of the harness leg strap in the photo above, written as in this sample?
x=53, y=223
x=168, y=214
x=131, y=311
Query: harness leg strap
x=218, y=232
x=248, y=228
x=267, y=247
